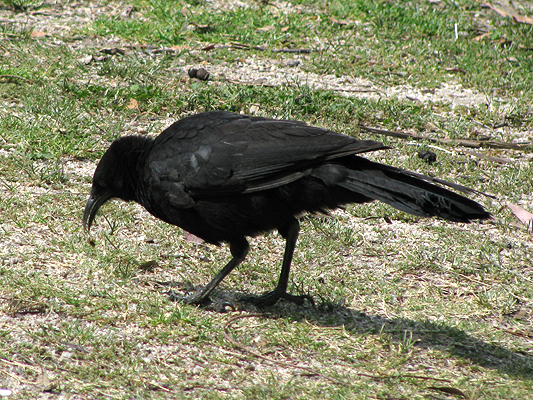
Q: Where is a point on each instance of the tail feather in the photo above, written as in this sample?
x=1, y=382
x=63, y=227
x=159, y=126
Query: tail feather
x=413, y=193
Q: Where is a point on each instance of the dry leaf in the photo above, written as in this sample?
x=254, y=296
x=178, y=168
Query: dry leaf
x=481, y=37
x=524, y=216
x=266, y=28
x=133, y=104
x=449, y=390
x=523, y=19
x=37, y=34
x=498, y=10
x=456, y=69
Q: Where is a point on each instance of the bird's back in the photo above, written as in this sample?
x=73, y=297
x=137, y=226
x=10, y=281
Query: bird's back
x=219, y=174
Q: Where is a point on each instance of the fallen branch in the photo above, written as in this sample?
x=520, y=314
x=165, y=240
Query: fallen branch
x=236, y=82
x=249, y=83
x=499, y=160
x=493, y=144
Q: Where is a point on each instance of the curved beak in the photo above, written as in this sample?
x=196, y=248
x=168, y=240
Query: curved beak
x=91, y=208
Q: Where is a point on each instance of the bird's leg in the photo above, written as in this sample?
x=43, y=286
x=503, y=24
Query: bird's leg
x=290, y=234
x=239, y=249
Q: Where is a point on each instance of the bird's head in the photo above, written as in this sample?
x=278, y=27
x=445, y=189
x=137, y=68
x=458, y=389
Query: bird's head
x=116, y=175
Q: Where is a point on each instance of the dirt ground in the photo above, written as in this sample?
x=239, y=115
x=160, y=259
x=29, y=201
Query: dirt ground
x=57, y=20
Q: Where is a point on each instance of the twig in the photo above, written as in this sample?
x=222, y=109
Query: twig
x=480, y=123
x=431, y=146
x=357, y=90
x=461, y=142
x=250, y=83
x=297, y=51
x=244, y=46
x=274, y=85
x=499, y=160
x=159, y=387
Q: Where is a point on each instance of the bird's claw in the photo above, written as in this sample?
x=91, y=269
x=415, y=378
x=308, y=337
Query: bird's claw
x=192, y=299
x=200, y=301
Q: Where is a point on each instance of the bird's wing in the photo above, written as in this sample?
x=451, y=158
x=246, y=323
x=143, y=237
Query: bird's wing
x=220, y=153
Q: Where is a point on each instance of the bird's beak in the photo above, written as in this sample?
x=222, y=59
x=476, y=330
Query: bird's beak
x=91, y=208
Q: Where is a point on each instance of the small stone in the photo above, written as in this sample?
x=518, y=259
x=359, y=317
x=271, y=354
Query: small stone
x=87, y=60
x=149, y=266
x=202, y=74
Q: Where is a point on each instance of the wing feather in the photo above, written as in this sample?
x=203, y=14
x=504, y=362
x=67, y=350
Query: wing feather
x=221, y=153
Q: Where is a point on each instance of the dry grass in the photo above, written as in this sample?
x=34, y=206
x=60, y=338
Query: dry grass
x=406, y=308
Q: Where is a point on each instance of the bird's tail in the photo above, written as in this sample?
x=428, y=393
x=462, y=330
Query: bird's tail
x=413, y=193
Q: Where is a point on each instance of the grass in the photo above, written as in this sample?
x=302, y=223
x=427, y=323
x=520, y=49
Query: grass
x=406, y=307
x=392, y=42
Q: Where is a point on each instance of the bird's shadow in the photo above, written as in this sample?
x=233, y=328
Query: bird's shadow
x=425, y=334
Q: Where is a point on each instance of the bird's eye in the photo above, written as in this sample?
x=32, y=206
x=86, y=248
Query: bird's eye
x=102, y=184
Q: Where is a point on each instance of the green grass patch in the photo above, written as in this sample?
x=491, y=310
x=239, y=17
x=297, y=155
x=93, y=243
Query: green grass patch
x=403, y=304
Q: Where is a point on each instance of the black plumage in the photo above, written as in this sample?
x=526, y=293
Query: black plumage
x=223, y=176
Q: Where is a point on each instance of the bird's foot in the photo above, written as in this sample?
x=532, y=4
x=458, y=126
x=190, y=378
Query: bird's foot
x=270, y=298
x=190, y=299
x=202, y=301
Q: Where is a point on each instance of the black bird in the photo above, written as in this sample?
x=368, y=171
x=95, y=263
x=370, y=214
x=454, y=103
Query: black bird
x=223, y=176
